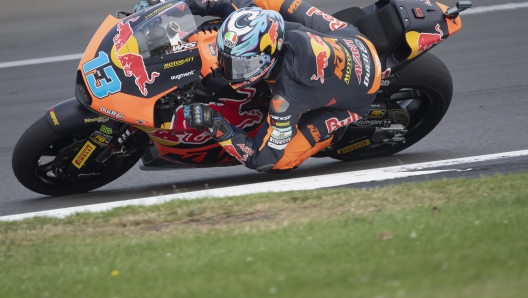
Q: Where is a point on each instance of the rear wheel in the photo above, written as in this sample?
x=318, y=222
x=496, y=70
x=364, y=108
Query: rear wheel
x=424, y=91
x=40, y=155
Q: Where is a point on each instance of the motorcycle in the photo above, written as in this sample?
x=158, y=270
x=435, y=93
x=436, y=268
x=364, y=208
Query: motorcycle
x=141, y=69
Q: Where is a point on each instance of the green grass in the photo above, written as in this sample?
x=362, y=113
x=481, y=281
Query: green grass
x=450, y=238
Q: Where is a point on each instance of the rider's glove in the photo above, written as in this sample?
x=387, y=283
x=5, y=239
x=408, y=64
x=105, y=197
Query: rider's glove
x=201, y=116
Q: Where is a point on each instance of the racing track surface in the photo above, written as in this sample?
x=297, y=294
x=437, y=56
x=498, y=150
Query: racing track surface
x=487, y=115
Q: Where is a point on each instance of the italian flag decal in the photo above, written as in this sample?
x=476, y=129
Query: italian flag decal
x=230, y=39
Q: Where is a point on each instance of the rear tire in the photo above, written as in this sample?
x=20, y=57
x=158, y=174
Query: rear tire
x=40, y=141
x=429, y=78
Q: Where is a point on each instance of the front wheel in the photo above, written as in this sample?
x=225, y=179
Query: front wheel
x=40, y=153
x=424, y=90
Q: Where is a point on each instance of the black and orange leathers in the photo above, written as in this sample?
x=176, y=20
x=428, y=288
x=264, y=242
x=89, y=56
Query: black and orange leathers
x=329, y=74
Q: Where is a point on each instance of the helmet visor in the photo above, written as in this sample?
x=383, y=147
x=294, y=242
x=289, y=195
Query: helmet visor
x=242, y=68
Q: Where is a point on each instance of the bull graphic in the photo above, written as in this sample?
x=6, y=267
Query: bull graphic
x=125, y=31
x=321, y=58
x=133, y=65
x=428, y=40
x=273, y=34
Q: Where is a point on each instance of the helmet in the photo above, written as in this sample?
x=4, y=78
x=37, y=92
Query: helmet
x=249, y=42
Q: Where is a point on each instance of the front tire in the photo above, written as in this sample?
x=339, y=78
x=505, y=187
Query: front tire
x=426, y=87
x=37, y=150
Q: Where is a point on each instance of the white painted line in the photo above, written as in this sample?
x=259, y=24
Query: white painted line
x=41, y=60
x=306, y=183
x=492, y=8
x=473, y=10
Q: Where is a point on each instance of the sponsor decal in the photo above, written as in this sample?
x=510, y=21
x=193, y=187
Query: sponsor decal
x=83, y=155
x=315, y=132
x=233, y=110
x=376, y=113
x=279, y=141
x=366, y=61
x=428, y=2
x=348, y=72
x=124, y=32
x=263, y=72
x=273, y=34
x=213, y=49
x=114, y=114
x=294, y=5
x=100, y=139
x=246, y=149
x=230, y=39
x=358, y=65
x=428, y=40
x=279, y=104
x=322, y=52
x=177, y=63
x=106, y=130
x=133, y=65
x=280, y=118
x=54, y=117
x=334, y=23
x=236, y=86
x=205, y=1
x=333, y=124
x=384, y=83
x=279, y=44
x=98, y=119
x=420, y=42
x=367, y=122
x=354, y=147
x=157, y=11
x=281, y=124
x=182, y=75
x=183, y=47
x=128, y=57
x=281, y=134
x=278, y=147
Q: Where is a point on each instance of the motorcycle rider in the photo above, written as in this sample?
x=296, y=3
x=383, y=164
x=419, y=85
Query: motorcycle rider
x=323, y=74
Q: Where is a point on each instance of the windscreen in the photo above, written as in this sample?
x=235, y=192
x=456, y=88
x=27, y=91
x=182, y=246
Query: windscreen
x=166, y=31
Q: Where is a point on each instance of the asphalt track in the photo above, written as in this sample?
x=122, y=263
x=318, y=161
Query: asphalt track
x=487, y=60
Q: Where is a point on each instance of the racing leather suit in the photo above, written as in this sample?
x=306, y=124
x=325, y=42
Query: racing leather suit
x=326, y=77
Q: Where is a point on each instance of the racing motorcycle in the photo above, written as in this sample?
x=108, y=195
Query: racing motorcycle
x=141, y=69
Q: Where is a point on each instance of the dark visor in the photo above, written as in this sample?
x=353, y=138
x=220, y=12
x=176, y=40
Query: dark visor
x=242, y=68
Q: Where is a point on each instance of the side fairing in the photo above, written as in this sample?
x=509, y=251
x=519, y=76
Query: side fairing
x=121, y=76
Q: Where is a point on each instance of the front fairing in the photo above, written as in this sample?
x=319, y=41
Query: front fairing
x=130, y=63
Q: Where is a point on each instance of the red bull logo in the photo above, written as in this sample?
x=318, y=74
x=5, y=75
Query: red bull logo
x=125, y=31
x=322, y=53
x=133, y=65
x=126, y=56
x=334, y=23
x=273, y=34
x=334, y=124
x=420, y=42
x=230, y=109
x=427, y=40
